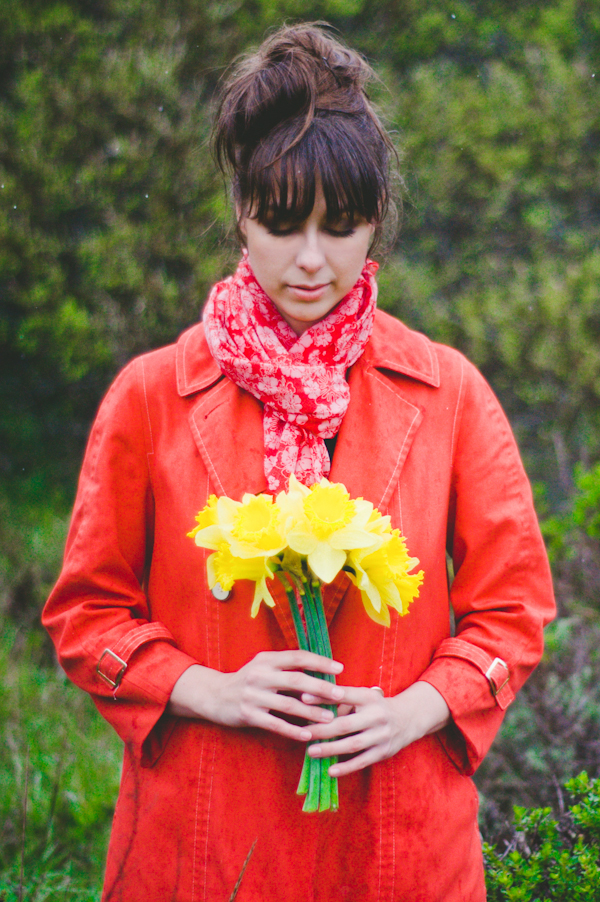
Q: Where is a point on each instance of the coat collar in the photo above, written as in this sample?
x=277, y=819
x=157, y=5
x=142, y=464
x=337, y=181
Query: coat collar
x=376, y=434
x=392, y=346
x=395, y=347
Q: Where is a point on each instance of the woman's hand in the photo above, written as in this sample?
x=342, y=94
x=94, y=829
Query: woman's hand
x=372, y=728
x=271, y=684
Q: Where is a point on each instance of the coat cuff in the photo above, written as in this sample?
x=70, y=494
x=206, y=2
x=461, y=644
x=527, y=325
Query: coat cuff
x=145, y=667
x=476, y=688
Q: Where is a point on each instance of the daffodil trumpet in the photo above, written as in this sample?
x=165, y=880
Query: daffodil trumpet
x=306, y=537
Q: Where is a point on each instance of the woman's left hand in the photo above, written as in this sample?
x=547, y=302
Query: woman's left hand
x=371, y=728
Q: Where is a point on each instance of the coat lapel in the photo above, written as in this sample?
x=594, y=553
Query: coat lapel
x=375, y=437
x=226, y=421
x=381, y=421
x=227, y=426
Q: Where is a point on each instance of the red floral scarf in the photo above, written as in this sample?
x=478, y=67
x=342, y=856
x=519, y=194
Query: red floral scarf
x=301, y=381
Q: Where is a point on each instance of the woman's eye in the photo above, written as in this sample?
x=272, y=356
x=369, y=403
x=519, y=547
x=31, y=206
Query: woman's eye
x=281, y=230
x=341, y=229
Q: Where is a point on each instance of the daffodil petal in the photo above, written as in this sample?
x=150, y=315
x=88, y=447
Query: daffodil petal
x=209, y=537
x=226, y=510
x=302, y=542
x=350, y=538
x=381, y=616
x=391, y=596
x=363, y=509
x=295, y=486
x=326, y=562
x=246, y=550
x=210, y=570
x=261, y=593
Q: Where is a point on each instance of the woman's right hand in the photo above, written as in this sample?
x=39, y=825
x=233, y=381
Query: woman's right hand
x=260, y=694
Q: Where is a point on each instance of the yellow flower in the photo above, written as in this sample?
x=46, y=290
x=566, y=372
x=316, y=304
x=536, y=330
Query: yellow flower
x=328, y=509
x=252, y=527
x=256, y=528
x=323, y=523
x=206, y=517
x=383, y=577
x=224, y=568
x=208, y=533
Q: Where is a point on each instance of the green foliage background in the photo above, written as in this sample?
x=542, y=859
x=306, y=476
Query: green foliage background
x=114, y=224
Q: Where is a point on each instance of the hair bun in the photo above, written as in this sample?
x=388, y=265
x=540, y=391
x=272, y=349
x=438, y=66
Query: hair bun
x=296, y=72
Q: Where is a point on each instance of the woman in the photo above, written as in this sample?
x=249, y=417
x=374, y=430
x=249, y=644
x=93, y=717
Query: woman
x=294, y=370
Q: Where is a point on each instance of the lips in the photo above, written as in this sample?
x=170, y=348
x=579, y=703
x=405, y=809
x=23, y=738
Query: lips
x=309, y=292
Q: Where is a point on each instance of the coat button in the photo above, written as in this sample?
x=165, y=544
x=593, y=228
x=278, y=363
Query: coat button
x=219, y=592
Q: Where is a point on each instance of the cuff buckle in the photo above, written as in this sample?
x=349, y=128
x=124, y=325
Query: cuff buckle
x=114, y=684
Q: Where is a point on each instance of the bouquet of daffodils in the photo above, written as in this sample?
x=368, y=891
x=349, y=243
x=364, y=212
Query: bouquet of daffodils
x=305, y=537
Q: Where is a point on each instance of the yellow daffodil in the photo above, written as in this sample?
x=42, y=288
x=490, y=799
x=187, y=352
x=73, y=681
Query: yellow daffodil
x=256, y=528
x=383, y=577
x=207, y=527
x=324, y=523
x=224, y=568
x=252, y=527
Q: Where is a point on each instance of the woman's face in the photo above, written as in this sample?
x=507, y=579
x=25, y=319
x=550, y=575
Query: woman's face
x=307, y=268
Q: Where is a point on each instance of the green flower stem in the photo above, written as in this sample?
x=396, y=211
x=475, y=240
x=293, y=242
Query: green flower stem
x=296, y=616
x=317, y=778
x=322, y=622
x=326, y=780
x=315, y=616
x=312, y=624
x=313, y=796
x=320, y=790
x=304, y=781
x=335, y=796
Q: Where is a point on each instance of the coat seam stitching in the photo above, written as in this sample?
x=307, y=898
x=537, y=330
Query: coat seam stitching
x=408, y=432
x=201, y=440
x=147, y=407
x=458, y=407
x=196, y=821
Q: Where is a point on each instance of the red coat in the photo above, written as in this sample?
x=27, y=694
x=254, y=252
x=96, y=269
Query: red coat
x=425, y=440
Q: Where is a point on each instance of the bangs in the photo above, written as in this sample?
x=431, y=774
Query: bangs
x=342, y=157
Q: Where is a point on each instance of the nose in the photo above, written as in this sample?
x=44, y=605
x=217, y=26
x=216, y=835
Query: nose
x=310, y=256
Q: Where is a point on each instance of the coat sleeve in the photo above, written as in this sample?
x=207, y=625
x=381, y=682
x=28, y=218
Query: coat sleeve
x=502, y=589
x=98, y=615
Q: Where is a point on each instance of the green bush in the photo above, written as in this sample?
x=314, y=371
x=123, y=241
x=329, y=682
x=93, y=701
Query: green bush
x=549, y=858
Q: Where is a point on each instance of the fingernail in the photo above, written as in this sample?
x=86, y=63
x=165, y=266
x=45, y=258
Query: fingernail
x=305, y=735
x=338, y=692
x=327, y=715
x=337, y=666
x=334, y=771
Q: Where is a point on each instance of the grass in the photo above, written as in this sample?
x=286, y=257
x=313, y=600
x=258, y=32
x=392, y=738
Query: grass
x=59, y=775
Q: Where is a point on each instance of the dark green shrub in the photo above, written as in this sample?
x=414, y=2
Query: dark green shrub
x=550, y=858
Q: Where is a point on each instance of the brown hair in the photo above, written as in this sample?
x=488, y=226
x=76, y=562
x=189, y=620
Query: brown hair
x=294, y=115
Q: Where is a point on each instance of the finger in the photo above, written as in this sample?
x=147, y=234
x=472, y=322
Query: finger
x=369, y=757
x=361, y=696
x=349, y=745
x=342, y=709
x=265, y=721
x=310, y=699
x=346, y=724
x=293, y=707
x=299, y=659
x=322, y=691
